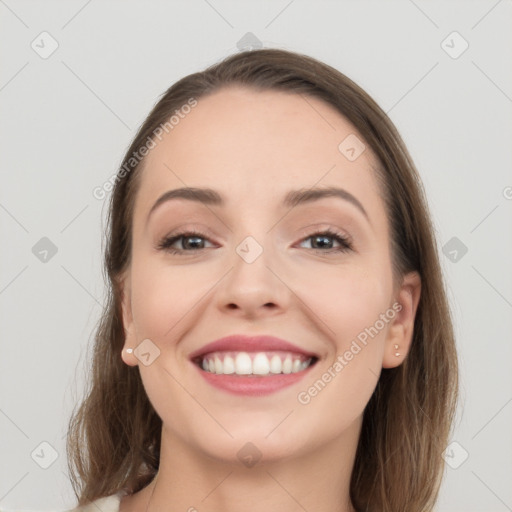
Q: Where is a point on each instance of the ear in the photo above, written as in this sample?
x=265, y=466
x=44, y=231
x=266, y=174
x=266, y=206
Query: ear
x=401, y=329
x=128, y=325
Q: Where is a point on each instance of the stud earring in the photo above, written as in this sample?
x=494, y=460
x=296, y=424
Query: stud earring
x=396, y=348
x=129, y=350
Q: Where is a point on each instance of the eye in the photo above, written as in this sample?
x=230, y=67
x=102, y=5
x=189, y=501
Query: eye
x=190, y=241
x=322, y=243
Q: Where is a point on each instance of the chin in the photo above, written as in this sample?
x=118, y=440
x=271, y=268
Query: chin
x=251, y=447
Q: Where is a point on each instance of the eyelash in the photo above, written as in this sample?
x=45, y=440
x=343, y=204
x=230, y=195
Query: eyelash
x=345, y=243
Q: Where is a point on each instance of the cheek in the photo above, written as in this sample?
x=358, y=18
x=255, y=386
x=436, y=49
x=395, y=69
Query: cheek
x=164, y=294
x=350, y=309
x=157, y=299
x=345, y=298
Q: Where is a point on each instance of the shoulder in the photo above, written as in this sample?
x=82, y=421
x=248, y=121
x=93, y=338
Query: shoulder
x=105, y=504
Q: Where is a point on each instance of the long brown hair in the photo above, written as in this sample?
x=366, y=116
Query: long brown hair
x=113, y=440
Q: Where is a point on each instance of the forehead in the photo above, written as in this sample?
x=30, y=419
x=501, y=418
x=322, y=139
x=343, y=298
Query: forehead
x=254, y=146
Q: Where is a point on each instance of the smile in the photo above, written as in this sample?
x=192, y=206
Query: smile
x=254, y=363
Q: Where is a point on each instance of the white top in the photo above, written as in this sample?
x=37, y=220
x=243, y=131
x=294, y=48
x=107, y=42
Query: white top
x=106, y=504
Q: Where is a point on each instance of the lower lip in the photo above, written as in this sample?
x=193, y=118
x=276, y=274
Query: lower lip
x=254, y=385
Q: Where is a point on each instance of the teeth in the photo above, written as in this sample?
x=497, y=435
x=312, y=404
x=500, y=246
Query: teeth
x=287, y=365
x=228, y=366
x=260, y=363
x=276, y=364
x=243, y=364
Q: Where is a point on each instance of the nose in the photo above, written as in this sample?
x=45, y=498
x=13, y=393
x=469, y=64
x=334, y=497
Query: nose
x=253, y=288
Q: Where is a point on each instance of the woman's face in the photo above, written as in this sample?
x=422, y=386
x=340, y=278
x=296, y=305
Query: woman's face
x=263, y=266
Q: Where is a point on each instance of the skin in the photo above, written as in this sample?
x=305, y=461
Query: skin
x=253, y=147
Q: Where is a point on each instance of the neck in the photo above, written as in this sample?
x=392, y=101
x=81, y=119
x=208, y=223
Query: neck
x=191, y=481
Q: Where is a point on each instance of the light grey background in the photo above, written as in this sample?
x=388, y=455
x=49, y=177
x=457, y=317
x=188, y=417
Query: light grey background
x=67, y=120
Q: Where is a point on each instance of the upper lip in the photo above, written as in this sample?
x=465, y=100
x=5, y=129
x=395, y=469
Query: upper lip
x=244, y=343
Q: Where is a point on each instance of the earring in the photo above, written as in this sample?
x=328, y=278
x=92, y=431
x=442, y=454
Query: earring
x=129, y=350
x=396, y=348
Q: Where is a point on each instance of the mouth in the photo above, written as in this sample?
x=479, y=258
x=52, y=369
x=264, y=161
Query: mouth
x=252, y=365
x=255, y=364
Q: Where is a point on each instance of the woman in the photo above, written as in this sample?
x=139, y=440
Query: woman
x=277, y=334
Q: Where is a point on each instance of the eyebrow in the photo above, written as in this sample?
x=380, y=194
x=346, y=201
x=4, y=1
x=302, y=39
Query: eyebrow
x=292, y=198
